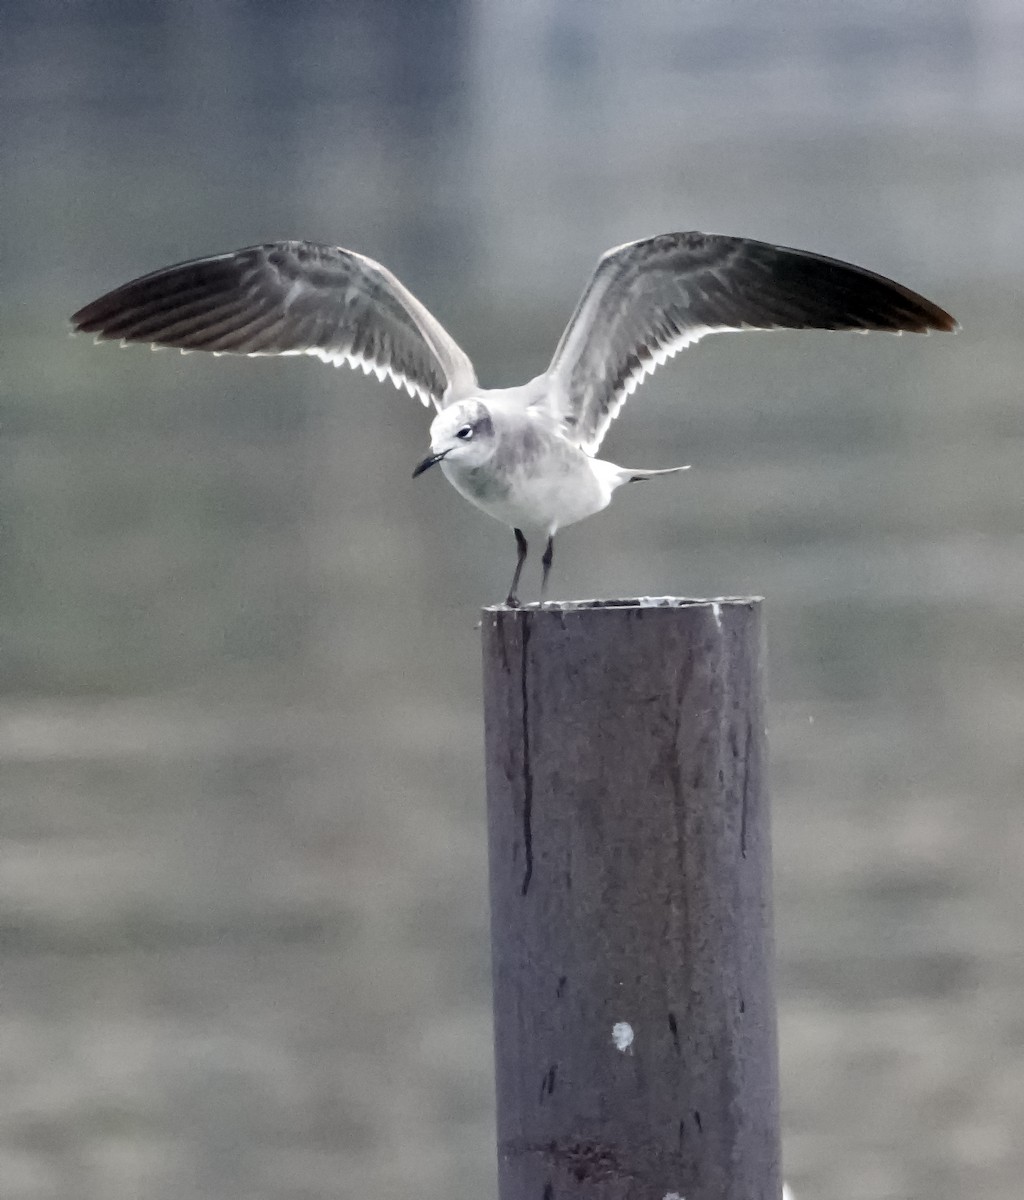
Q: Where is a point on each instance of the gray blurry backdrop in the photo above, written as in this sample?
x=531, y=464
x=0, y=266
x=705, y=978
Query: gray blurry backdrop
x=243, y=911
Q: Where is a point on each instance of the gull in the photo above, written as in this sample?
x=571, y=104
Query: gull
x=525, y=455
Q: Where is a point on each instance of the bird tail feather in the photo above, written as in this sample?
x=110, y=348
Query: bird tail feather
x=637, y=476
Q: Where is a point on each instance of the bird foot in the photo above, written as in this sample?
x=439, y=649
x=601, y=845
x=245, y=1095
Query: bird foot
x=512, y=602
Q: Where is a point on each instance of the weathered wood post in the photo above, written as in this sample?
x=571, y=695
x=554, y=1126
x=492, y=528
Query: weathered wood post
x=635, y=1039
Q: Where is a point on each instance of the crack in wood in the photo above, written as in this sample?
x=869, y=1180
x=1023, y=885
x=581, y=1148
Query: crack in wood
x=527, y=768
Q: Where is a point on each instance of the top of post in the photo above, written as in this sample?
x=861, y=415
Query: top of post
x=641, y=603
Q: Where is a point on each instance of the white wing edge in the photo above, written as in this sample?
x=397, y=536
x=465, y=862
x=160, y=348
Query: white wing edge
x=646, y=366
x=455, y=362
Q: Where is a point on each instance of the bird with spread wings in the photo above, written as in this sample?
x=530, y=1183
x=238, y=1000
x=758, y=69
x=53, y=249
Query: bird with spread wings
x=526, y=455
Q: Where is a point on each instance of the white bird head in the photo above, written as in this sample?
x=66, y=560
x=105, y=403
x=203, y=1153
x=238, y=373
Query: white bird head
x=463, y=433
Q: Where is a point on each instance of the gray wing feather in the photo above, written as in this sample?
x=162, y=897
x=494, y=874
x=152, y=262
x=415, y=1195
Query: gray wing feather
x=649, y=299
x=289, y=298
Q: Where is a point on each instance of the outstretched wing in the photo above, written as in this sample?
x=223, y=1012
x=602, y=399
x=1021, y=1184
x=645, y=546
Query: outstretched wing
x=289, y=298
x=649, y=299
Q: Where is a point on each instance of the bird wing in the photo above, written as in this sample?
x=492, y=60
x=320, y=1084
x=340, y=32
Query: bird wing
x=289, y=298
x=649, y=299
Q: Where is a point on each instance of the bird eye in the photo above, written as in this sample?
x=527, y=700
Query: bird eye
x=465, y=432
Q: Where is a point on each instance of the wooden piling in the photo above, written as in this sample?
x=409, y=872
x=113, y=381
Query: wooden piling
x=630, y=866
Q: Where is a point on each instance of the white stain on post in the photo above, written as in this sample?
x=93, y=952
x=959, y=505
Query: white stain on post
x=673, y=1196
x=622, y=1035
x=716, y=612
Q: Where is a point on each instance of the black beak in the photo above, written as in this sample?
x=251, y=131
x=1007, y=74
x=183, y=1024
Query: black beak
x=428, y=462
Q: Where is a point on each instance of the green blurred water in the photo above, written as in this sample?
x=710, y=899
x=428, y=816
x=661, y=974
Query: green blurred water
x=242, y=889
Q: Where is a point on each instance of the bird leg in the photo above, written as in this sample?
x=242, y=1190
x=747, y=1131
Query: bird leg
x=549, y=554
x=513, y=601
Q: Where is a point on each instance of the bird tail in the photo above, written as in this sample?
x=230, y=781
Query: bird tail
x=632, y=476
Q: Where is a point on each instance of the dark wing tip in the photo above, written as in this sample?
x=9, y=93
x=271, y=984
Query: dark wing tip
x=943, y=321
x=169, y=289
x=910, y=312
x=814, y=291
x=181, y=305
x=92, y=317
x=744, y=283
x=86, y=319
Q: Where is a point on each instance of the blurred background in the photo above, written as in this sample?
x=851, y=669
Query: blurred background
x=243, y=911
